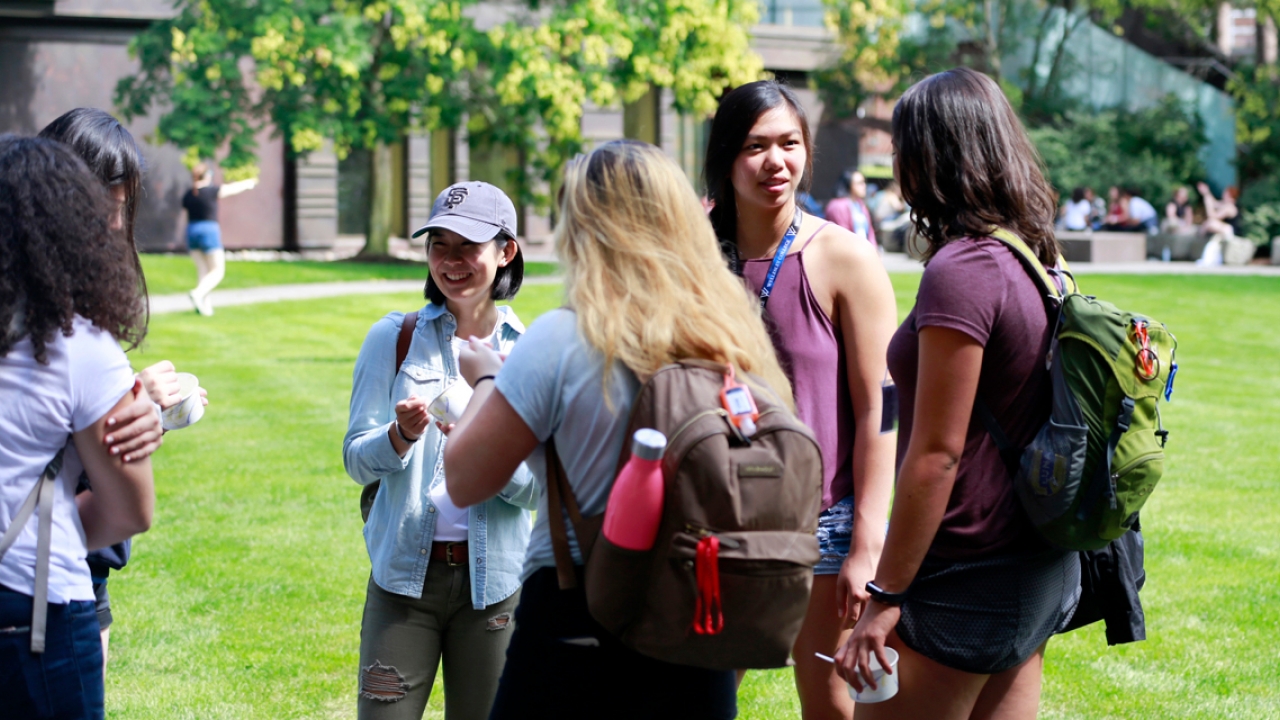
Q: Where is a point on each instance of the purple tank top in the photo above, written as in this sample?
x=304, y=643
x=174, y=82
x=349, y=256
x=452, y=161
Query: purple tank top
x=811, y=350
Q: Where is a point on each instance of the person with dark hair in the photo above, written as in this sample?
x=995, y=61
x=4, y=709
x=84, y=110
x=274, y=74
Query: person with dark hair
x=204, y=234
x=966, y=592
x=848, y=208
x=1178, y=216
x=446, y=579
x=112, y=156
x=830, y=310
x=1076, y=211
x=69, y=295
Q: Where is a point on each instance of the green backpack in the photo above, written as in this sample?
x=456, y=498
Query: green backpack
x=1089, y=470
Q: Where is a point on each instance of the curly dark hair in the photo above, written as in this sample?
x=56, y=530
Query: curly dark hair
x=966, y=165
x=59, y=256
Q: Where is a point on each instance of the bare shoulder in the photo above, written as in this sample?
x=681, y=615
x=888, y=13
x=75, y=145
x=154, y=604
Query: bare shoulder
x=843, y=252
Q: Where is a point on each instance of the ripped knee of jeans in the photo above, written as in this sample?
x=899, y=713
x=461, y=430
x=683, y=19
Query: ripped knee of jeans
x=499, y=622
x=382, y=683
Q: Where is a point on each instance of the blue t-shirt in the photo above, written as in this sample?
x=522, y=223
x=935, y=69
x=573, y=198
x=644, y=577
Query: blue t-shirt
x=554, y=381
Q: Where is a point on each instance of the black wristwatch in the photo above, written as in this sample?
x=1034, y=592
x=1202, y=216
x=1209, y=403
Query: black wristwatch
x=881, y=595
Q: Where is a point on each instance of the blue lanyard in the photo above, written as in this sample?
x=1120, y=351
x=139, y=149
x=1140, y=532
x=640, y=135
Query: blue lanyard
x=779, y=257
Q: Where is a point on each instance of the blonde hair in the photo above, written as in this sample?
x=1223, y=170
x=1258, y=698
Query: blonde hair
x=644, y=273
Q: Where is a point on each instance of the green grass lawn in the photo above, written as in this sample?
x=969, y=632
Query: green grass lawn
x=244, y=600
x=167, y=274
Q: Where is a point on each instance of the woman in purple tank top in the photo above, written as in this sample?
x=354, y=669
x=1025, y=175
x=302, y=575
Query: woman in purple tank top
x=830, y=311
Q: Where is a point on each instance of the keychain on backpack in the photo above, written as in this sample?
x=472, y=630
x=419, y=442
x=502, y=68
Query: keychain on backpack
x=740, y=405
x=1147, y=362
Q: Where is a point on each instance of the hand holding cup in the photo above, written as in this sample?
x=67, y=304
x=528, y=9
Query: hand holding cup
x=412, y=416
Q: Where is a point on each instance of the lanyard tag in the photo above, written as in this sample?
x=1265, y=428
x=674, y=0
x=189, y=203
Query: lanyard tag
x=888, y=406
x=739, y=403
x=1168, y=386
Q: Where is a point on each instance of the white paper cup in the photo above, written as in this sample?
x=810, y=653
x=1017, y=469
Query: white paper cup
x=887, y=684
x=189, y=409
x=449, y=405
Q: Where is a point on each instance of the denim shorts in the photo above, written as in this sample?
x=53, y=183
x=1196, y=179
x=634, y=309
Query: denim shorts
x=835, y=534
x=204, y=235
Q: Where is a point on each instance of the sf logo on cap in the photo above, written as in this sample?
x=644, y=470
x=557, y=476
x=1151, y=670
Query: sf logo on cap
x=455, y=197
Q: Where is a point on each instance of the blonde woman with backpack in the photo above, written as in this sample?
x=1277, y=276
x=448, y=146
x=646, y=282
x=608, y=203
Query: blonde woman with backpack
x=645, y=286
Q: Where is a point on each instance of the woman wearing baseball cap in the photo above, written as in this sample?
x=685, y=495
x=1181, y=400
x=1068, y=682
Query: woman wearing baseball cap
x=445, y=580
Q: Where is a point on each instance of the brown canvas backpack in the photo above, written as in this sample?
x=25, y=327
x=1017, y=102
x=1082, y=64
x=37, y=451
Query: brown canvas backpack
x=403, y=338
x=686, y=601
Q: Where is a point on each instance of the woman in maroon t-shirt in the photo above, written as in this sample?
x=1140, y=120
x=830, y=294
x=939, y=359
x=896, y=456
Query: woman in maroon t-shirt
x=965, y=591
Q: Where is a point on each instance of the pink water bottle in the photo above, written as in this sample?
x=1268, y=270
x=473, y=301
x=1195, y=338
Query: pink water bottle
x=634, y=511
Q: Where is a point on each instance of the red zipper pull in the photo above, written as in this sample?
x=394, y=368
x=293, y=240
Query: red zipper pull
x=708, y=619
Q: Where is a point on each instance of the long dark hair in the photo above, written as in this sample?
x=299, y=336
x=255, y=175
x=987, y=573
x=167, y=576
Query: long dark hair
x=738, y=112
x=59, y=256
x=113, y=156
x=966, y=165
x=108, y=149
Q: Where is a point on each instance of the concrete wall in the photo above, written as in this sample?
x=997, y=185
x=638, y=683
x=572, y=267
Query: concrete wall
x=49, y=69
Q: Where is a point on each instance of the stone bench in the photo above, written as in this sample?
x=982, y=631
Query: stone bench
x=1103, y=247
x=1181, y=246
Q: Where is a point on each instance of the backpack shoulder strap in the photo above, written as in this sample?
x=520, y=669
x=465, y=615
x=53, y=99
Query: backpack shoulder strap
x=405, y=337
x=560, y=499
x=40, y=501
x=403, y=340
x=1046, y=281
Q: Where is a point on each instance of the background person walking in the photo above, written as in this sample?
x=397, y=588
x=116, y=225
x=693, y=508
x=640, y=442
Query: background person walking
x=204, y=235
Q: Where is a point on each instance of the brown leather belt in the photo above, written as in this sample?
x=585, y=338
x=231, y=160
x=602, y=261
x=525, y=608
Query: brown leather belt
x=450, y=553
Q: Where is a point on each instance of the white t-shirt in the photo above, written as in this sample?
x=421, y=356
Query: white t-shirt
x=40, y=407
x=553, y=381
x=452, y=521
x=1140, y=210
x=1076, y=215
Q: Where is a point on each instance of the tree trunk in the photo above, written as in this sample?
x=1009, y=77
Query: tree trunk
x=1266, y=38
x=378, y=241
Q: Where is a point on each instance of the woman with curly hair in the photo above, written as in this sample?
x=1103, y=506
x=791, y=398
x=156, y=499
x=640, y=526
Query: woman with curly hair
x=69, y=295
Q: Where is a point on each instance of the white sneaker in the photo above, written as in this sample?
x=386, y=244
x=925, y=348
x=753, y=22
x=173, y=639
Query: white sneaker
x=206, y=306
x=195, y=301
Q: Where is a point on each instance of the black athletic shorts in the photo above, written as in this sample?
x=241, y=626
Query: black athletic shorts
x=987, y=616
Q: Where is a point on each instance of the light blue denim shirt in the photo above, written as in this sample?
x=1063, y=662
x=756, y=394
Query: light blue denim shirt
x=402, y=523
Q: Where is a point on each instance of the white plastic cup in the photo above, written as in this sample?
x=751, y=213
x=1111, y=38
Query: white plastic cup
x=887, y=684
x=450, y=404
x=189, y=409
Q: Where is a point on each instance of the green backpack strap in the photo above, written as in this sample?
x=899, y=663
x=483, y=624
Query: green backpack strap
x=1033, y=265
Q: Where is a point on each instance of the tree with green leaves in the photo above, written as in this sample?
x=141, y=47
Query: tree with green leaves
x=364, y=73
